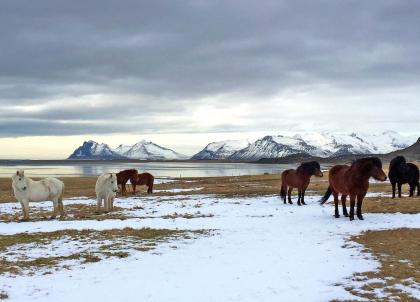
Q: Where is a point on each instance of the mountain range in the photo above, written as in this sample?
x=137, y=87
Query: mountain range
x=318, y=144
x=143, y=150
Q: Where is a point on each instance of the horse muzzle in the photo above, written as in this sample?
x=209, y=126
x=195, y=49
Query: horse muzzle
x=24, y=189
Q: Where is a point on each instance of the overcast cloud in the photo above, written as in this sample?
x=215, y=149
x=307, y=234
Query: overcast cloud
x=103, y=67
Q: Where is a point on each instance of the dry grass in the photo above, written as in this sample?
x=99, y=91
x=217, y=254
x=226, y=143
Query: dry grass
x=123, y=241
x=399, y=257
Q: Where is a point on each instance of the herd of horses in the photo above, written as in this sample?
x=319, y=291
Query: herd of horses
x=348, y=180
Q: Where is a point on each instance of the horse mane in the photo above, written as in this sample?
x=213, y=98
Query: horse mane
x=309, y=167
x=396, y=161
x=375, y=161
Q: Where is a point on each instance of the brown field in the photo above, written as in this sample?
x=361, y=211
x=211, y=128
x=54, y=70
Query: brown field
x=399, y=257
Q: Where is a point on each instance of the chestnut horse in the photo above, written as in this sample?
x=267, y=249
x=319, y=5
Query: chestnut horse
x=124, y=176
x=299, y=179
x=143, y=179
x=354, y=181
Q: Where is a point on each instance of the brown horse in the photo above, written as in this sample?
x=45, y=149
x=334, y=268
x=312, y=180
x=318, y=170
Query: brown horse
x=299, y=179
x=124, y=176
x=354, y=181
x=143, y=179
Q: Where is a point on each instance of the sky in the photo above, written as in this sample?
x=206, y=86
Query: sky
x=185, y=73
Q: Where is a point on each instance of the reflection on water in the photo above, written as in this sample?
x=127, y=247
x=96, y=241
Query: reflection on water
x=159, y=169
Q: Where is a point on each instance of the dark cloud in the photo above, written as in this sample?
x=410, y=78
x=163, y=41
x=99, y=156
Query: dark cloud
x=148, y=64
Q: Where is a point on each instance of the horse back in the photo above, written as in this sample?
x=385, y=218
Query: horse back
x=413, y=171
x=337, y=178
x=125, y=175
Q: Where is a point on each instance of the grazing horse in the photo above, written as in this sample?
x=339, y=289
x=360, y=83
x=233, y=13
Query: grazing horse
x=27, y=190
x=106, y=189
x=299, y=179
x=143, y=179
x=124, y=176
x=401, y=172
x=354, y=181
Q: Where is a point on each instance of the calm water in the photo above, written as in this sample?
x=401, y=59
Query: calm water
x=158, y=169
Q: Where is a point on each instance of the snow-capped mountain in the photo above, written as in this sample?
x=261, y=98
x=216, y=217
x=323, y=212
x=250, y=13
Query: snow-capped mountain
x=221, y=150
x=323, y=144
x=94, y=151
x=143, y=150
x=272, y=147
x=148, y=151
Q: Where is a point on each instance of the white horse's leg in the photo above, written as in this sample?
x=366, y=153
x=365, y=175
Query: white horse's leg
x=25, y=209
x=107, y=203
x=98, y=204
x=111, y=203
x=61, y=207
x=55, y=203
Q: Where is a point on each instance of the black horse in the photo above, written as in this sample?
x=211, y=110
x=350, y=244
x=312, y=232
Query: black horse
x=401, y=172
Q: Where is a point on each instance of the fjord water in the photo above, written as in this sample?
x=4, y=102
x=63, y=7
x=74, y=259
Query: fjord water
x=159, y=169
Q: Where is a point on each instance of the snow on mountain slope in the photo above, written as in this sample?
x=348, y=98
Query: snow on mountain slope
x=148, y=151
x=93, y=150
x=323, y=144
x=222, y=149
x=272, y=147
x=121, y=149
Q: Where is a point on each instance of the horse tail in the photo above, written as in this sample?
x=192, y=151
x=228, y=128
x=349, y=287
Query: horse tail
x=326, y=196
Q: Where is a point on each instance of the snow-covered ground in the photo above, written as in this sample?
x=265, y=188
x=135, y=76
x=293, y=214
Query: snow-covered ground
x=260, y=250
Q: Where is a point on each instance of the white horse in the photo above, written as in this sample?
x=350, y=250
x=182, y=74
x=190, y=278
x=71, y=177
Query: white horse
x=106, y=189
x=27, y=190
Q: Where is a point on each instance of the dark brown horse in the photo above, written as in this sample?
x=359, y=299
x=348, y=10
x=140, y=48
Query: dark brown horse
x=354, y=181
x=401, y=172
x=124, y=176
x=143, y=179
x=299, y=179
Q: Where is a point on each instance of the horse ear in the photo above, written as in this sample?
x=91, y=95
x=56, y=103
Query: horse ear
x=17, y=172
x=110, y=175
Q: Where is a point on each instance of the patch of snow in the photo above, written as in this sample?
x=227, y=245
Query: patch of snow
x=261, y=250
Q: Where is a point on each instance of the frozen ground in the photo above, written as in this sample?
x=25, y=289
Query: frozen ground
x=261, y=250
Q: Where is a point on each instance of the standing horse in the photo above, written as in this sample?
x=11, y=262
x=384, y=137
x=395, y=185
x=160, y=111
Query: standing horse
x=27, y=190
x=143, y=179
x=354, y=181
x=299, y=179
x=124, y=176
x=106, y=189
x=401, y=172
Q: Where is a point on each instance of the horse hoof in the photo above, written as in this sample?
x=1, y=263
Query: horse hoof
x=360, y=217
x=337, y=215
x=299, y=204
x=290, y=202
x=351, y=218
x=346, y=215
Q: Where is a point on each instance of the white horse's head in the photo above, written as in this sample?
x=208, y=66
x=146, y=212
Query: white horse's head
x=112, y=179
x=19, y=180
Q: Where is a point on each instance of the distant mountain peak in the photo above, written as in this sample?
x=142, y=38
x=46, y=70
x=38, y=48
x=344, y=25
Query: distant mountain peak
x=91, y=150
x=147, y=150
